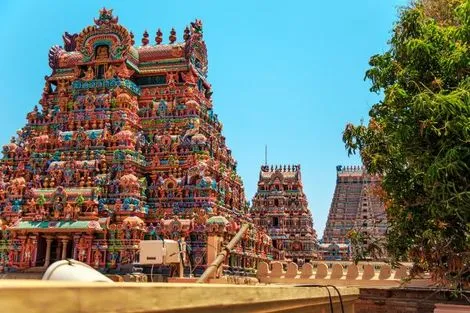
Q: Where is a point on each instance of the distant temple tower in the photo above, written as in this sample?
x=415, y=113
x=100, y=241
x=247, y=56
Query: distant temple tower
x=354, y=206
x=281, y=207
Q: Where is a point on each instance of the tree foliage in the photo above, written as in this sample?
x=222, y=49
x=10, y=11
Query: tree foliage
x=442, y=11
x=418, y=139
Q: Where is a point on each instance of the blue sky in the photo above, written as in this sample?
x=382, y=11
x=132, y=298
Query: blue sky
x=288, y=74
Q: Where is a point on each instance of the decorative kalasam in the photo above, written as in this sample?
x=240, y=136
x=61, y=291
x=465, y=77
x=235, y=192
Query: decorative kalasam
x=125, y=147
x=280, y=205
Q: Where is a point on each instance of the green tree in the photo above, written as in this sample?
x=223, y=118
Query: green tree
x=418, y=138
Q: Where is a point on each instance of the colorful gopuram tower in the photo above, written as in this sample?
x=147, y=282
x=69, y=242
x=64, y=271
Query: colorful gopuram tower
x=354, y=206
x=125, y=146
x=281, y=207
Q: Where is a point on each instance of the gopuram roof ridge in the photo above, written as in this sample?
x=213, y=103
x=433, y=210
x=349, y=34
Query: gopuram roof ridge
x=280, y=168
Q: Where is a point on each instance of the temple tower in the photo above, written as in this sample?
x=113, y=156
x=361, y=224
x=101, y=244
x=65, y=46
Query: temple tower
x=354, y=206
x=125, y=146
x=281, y=207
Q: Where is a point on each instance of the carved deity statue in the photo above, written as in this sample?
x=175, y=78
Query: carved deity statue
x=31, y=207
x=76, y=212
x=118, y=205
x=89, y=74
x=97, y=258
x=189, y=78
x=82, y=250
x=90, y=101
x=110, y=72
x=123, y=71
x=68, y=211
x=171, y=78
x=102, y=53
x=193, y=128
x=62, y=86
x=28, y=251
x=77, y=72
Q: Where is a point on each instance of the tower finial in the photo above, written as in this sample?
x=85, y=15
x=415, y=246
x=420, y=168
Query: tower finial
x=158, y=38
x=106, y=17
x=196, y=27
x=132, y=38
x=172, y=36
x=145, y=38
x=186, y=35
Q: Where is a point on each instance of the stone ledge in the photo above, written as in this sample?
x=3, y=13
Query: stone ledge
x=74, y=297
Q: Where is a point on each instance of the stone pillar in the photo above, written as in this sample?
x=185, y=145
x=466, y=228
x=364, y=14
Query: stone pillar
x=75, y=250
x=34, y=252
x=48, y=252
x=57, y=250
x=64, y=248
x=23, y=246
x=89, y=244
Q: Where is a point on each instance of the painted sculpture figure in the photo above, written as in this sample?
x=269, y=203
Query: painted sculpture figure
x=125, y=147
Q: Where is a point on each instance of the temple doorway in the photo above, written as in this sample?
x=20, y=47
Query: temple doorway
x=69, y=251
x=55, y=251
x=275, y=221
x=51, y=249
x=41, y=255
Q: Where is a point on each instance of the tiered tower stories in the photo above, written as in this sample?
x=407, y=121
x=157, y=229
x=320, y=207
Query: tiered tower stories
x=125, y=147
x=281, y=207
x=355, y=206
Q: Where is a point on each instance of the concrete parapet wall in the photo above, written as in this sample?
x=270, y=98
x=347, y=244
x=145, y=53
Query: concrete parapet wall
x=365, y=274
x=74, y=297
